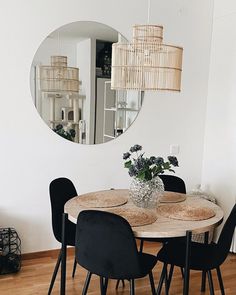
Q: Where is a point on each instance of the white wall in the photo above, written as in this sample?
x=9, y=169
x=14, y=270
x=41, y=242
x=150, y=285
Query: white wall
x=219, y=162
x=32, y=155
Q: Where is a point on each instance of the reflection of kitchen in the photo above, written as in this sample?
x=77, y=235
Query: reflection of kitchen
x=90, y=110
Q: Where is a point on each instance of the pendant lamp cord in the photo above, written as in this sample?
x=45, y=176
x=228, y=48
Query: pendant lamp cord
x=59, y=43
x=148, y=15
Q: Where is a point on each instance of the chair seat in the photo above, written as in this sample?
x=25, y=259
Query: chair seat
x=146, y=262
x=203, y=257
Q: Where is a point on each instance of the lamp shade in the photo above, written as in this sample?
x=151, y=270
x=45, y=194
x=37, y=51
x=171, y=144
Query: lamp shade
x=146, y=63
x=58, y=77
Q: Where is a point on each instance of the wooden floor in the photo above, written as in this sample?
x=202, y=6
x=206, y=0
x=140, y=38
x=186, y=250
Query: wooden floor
x=35, y=276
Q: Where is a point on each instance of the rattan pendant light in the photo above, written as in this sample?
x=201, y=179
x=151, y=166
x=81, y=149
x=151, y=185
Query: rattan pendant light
x=58, y=77
x=146, y=63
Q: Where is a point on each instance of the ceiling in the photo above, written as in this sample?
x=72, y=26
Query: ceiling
x=86, y=29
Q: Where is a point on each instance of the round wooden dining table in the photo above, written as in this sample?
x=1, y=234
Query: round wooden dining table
x=162, y=226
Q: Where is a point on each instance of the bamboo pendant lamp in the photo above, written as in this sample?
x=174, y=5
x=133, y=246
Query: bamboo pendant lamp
x=58, y=77
x=146, y=63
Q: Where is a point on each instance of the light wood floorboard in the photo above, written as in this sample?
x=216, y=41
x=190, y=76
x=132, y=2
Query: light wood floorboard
x=35, y=275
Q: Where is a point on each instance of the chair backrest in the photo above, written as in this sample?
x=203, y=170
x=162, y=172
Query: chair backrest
x=61, y=190
x=105, y=245
x=173, y=183
x=226, y=236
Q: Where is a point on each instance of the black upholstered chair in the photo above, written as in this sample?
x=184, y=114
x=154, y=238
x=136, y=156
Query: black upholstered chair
x=61, y=190
x=171, y=183
x=105, y=246
x=204, y=257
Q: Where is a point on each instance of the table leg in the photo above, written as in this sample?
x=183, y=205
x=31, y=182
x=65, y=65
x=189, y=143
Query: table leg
x=63, y=258
x=141, y=245
x=187, y=263
x=203, y=285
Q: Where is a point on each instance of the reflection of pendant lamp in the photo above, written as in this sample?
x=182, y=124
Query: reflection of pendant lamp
x=146, y=63
x=58, y=77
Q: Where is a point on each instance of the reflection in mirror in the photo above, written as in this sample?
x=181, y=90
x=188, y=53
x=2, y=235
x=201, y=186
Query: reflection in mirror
x=71, y=84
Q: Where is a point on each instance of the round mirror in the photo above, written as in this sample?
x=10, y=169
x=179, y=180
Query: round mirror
x=70, y=83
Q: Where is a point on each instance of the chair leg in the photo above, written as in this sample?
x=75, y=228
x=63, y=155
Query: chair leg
x=203, y=285
x=74, y=268
x=220, y=281
x=170, y=276
x=132, y=292
x=182, y=272
x=152, y=283
x=166, y=282
x=162, y=277
x=102, y=286
x=187, y=263
x=86, y=284
x=210, y=282
x=64, y=254
x=105, y=285
x=55, y=272
x=118, y=282
x=141, y=246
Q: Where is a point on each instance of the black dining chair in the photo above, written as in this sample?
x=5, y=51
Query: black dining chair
x=105, y=246
x=173, y=183
x=61, y=190
x=203, y=257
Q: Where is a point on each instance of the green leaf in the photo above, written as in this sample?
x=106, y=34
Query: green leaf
x=154, y=169
x=166, y=165
x=141, y=175
x=158, y=170
x=128, y=164
x=148, y=175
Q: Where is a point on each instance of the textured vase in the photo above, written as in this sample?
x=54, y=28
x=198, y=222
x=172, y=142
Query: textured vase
x=146, y=194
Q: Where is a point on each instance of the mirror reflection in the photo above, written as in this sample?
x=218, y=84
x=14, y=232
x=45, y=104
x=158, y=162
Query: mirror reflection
x=71, y=84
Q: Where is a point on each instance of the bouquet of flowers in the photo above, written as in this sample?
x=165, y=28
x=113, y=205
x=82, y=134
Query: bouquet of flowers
x=144, y=168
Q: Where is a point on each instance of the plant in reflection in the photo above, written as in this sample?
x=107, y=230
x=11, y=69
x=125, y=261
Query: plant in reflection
x=144, y=168
x=70, y=135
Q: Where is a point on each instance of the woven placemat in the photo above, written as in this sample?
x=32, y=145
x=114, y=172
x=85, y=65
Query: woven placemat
x=172, y=197
x=136, y=216
x=185, y=212
x=103, y=199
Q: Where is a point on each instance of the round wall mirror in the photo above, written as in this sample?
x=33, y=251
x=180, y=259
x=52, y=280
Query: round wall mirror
x=70, y=83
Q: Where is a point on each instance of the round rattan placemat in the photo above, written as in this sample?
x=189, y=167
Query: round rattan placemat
x=136, y=216
x=103, y=199
x=185, y=212
x=172, y=197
